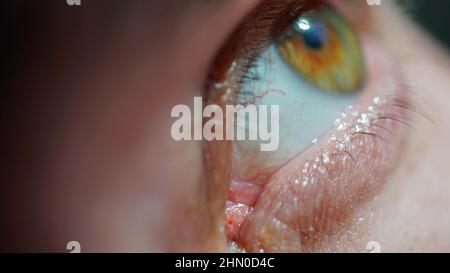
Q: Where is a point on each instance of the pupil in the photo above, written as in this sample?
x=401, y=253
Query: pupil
x=313, y=33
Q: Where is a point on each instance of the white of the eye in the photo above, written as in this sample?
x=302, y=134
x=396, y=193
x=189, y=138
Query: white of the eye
x=306, y=112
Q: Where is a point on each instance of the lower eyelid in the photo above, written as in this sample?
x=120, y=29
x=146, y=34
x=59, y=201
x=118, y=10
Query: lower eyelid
x=316, y=195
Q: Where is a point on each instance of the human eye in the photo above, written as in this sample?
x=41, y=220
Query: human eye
x=344, y=111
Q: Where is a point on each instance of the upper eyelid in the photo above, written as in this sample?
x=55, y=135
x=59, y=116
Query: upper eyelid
x=248, y=39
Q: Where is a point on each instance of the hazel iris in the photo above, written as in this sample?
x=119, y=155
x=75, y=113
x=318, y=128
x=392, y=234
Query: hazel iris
x=324, y=49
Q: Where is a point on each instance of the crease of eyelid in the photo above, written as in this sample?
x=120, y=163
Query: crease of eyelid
x=417, y=105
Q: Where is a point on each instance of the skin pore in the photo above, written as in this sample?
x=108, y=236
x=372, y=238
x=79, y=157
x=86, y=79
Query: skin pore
x=100, y=164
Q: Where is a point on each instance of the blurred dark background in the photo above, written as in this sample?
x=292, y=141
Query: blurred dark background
x=433, y=15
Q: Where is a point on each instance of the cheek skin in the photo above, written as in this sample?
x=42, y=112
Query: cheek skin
x=413, y=206
x=115, y=179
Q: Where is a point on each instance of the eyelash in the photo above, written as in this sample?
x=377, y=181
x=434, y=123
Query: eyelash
x=251, y=37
